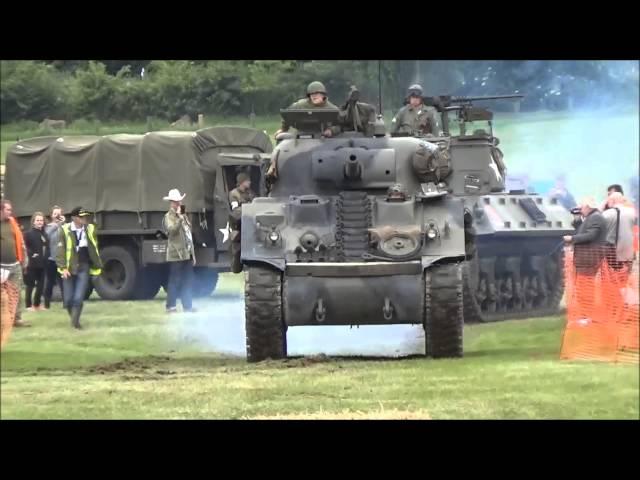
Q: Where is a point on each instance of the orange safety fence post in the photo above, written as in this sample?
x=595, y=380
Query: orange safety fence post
x=602, y=307
x=9, y=296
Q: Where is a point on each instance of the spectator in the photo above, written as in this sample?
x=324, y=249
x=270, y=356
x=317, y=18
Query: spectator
x=561, y=194
x=77, y=258
x=180, y=253
x=615, y=188
x=589, y=249
x=13, y=254
x=620, y=219
x=52, y=277
x=37, y=244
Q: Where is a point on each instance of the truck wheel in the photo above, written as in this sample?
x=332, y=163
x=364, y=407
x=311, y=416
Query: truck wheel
x=444, y=317
x=119, y=273
x=204, y=281
x=265, y=330
x=148, y=282
x=56, y=294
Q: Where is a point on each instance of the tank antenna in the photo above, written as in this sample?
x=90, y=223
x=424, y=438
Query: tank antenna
x=380, y=86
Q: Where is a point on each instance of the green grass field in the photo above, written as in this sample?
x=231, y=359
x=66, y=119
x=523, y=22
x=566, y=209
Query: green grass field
x=134, y=362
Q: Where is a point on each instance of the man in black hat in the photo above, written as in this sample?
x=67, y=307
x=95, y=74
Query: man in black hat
x=77, y=259
x=239, y=195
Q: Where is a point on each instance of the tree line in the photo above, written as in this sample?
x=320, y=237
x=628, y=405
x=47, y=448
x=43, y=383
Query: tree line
x=137, y=89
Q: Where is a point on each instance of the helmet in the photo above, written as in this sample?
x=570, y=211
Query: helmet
x=242, y=177
x=415, y=90
x=316, y=87
x=396, y=191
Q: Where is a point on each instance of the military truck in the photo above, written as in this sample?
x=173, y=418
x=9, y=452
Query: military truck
x=123, y=179
x=370, y=230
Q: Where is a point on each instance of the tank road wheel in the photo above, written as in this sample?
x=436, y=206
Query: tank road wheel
x=554, y=271
x=266, y=335
x=533, y=289
x=444, y=316
x=481, y=292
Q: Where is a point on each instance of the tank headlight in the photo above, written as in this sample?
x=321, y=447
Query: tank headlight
x=274, y=236
x=432, y=233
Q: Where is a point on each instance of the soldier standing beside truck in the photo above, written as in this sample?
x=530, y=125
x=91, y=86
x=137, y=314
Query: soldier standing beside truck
x=239, y=195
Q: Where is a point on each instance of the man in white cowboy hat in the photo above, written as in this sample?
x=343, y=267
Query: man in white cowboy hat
x=180, y=253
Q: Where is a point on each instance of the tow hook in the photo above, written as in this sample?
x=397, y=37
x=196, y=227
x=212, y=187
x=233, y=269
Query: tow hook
x=387, y=310
x=320, y=311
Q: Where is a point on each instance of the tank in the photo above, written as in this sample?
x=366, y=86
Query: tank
x=378, y=230
x=515, y=270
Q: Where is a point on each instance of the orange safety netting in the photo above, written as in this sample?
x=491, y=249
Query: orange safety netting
x=9, y=296
x=602, y=307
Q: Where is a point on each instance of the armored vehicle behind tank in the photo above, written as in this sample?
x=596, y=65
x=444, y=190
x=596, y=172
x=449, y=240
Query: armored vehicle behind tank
x=516, y=270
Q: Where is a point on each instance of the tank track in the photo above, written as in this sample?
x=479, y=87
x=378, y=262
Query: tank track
x=444, y=319
x=265, y=330
x=509, y=291
x=353, y=221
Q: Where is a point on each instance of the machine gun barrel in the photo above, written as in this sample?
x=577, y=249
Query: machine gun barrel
x=444, y=101
x=465, y=99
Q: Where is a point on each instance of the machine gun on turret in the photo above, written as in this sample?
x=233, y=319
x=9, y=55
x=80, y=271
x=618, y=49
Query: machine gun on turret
x=463, y=105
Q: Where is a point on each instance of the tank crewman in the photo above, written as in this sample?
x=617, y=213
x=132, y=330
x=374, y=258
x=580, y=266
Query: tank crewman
x=415, y=118
x=316, y=98
x=238, y=196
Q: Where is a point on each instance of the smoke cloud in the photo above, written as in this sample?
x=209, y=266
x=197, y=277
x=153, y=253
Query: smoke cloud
x=219, y=327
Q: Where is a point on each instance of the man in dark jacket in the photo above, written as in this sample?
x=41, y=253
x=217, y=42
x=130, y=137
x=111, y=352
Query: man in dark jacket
x=588, y=252
x=590, y=239
x=37, y=243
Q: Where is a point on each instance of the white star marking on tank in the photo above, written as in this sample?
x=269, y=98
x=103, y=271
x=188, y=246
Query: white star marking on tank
x=225, y=233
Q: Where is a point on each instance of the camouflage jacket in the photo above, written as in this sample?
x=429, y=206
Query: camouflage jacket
x=416, y=121
x=306, y=103
x=180, y=237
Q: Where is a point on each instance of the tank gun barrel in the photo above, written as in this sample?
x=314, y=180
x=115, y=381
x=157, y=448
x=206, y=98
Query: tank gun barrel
x=352, y=169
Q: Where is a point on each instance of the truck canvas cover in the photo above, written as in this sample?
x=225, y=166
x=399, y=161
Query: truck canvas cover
x=125, y=173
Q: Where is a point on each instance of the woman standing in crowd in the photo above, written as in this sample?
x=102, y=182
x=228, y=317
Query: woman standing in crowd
x=52, y=277
x=37, y=245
